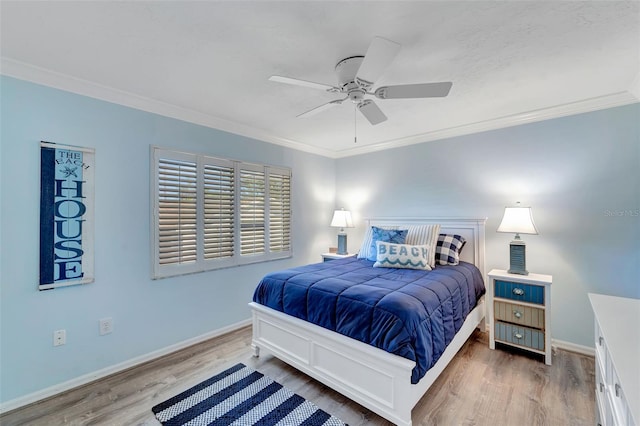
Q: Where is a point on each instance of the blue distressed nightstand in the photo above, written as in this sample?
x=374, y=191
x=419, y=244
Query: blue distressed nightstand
x=519, y=311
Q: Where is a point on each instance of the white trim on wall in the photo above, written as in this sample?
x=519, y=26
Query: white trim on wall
x=24, y=71
x=37, y=75
x=573, y=347
x=104, y=372
x=579, y=107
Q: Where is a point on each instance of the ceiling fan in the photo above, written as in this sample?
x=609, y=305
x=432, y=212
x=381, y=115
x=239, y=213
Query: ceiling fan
x=358, y=74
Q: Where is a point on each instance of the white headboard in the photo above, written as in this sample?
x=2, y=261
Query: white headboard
x=471, y=229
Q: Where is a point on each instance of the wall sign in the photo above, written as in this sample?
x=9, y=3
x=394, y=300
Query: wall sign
x=66, y=215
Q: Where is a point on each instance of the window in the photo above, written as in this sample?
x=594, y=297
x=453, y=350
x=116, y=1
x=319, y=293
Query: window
x=210, y=213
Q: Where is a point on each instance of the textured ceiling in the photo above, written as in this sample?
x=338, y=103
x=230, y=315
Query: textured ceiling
x=209, y=62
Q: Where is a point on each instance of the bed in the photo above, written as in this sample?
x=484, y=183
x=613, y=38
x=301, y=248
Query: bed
x=373, y=377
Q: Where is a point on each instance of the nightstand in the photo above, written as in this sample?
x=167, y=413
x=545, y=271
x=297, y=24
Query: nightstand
x=333, y=256
x=519, y=311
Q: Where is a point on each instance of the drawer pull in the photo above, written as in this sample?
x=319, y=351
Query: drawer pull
x=517, y=314
x=600, y=340
x=601, y=387
x=617, y=387
x=517, y=335
x=518, y=291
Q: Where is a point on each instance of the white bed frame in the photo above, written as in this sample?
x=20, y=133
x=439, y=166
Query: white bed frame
x=376, y=379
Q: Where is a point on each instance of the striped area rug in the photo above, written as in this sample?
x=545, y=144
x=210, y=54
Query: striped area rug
x=241, y=396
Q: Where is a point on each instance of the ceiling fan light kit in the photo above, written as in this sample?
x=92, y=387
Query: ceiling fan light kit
x=357, y=75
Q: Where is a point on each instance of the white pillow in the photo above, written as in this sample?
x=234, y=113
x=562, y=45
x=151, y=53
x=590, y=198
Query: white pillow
x=405, y=256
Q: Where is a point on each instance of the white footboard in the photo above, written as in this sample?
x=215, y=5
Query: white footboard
x=372, y=377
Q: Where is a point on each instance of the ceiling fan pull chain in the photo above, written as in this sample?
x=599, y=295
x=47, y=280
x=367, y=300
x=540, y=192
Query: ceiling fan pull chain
x=355, y=123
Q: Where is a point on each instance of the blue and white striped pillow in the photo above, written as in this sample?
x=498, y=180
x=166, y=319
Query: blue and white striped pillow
x=404, y=256
x=424, y=235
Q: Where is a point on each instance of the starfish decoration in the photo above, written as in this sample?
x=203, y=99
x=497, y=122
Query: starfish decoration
x=67, y=171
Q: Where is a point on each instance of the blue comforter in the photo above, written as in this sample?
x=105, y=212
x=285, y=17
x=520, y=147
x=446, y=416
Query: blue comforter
x=410, y=313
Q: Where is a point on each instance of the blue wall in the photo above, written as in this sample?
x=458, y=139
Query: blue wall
x=148, y=315
x=580, y=174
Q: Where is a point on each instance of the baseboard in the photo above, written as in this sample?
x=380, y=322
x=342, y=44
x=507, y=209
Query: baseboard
x=104, y=372
x=573, y=347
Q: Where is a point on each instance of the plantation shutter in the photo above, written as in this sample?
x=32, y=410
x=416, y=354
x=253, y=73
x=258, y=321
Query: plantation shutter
x=219, y=206
x=279, y=210
x=177, y=214
x=252, y=210
x=210, y=213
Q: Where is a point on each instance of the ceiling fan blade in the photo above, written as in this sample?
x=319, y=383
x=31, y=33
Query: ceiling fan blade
x=320, y=108
x=405, y=91
x=378, y=57
x=371, y=112
x=303, y=83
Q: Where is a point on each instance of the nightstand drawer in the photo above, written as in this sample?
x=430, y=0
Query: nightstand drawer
x=517, y=314
x=519, y=291
x=517, y=335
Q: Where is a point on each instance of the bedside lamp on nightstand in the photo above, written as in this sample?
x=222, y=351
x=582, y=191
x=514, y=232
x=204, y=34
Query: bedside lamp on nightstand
x=342, y=219
x=518, y=220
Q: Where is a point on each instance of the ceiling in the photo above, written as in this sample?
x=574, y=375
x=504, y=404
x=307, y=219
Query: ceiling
x=209, y=62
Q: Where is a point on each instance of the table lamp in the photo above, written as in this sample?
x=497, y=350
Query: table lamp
x=518, y=220
x=342, y=219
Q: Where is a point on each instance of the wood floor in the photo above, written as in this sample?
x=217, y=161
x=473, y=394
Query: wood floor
x=479, y=387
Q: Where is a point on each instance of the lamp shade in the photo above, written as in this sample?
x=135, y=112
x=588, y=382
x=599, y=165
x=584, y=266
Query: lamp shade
x=518, y=220
x=342, y=219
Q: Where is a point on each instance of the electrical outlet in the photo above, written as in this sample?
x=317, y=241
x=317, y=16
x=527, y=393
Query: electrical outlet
x=59, y=337
x=106, y=326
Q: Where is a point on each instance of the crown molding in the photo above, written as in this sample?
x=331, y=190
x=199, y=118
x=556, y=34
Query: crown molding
x=24, y=71
x=42, y=76
x=579, y=107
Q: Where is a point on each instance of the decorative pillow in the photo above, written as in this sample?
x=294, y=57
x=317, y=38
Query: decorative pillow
x=405, y=256
x=424, y=235
x=448, y=249
x=396, y=236
x=365, y=248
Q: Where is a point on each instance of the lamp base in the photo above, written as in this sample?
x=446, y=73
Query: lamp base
x=517, y=258
x=342, y=244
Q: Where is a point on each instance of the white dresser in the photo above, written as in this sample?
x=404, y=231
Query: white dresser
x=617, y=339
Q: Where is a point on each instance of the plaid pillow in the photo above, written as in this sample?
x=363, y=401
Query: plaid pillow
x=448, y=249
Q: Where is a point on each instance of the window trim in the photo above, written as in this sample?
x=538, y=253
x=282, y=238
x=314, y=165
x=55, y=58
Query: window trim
x=237, y=259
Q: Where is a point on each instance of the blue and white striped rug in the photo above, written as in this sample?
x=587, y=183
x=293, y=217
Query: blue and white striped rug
x=241, y=396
